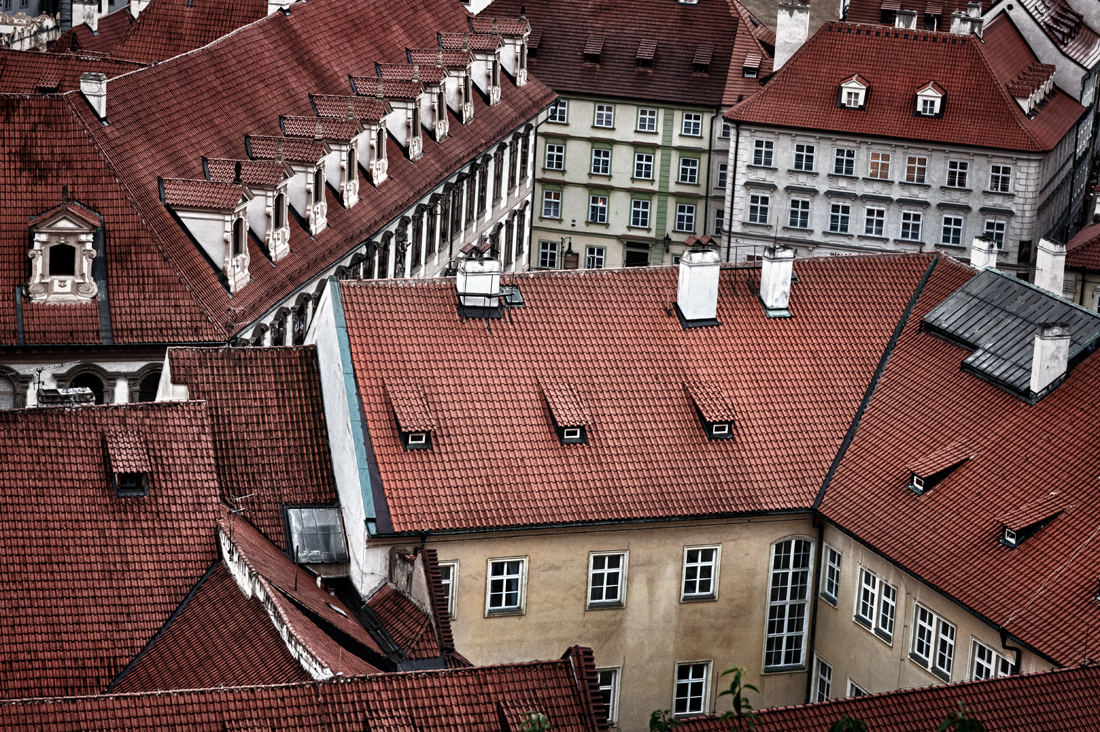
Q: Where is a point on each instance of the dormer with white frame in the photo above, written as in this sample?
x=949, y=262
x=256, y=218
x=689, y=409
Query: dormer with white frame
x=485, y=50
x=342, y=138
x=433, y=102
x=215, y=214
x=306, y=157
x=404, y=98
x=268, y=210
x=1031, y=85
x=458, y=66
x=513, y=33
x=930, y=100
x=61, y=254
x=371, y=114
x=853, y=93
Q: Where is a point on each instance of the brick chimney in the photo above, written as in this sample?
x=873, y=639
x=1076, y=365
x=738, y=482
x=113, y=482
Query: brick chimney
x=697, y=293
x=1050, y=266
x=983, y=253
x=93, y=85
x=792, y=28
x=1050, y=358
x=775, y=277
x=476, y=281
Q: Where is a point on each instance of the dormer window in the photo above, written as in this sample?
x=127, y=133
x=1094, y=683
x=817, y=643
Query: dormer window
x=647, y=49
x=930, y=100
x=215, y=216
x=750, y=69
x=592, y=49
x=567, y=412
x=267, y=182
x=701, y=63
x=415, y=422
x=712, y=408
x=1023, y=523
x=929, y=470
x=127, y=463
x=61, y=254
x=853, y=93
x=305, y=158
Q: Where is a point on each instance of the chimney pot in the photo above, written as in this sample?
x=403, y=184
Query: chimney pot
x=93, y=85
x=478, y=282
x=792, y=28
x=983, y=253
x=1050, y=266
x=1050, y=358
x=697, y=293
x=775, y=277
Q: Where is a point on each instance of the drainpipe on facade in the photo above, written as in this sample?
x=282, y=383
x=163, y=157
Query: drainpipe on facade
x=710, y=155
x=1016, y=651
x=730, y=183
x=817, y=598
x=531, y=222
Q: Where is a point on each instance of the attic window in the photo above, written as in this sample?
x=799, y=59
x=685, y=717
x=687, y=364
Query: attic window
x=414, y=417
x=930, y=100
x=62, y=252
x=316, y=535
x=713, y=409
x=127, y=463
x=1021, y=524
x=533, y=41
x=592, y=49
x=570, y=418
x=751, y=68
x=647, y=49
x=853, y=93
x=701, y=63
x=926, y=472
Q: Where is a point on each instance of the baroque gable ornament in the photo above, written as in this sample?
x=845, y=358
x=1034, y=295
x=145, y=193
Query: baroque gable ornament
x=61, y=254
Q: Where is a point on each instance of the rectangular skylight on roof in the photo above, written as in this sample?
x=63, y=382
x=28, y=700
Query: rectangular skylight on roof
x=316, y=535
x=714, y=409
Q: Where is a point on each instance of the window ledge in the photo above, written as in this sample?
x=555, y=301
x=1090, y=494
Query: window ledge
x=998, y=193
x=503, y=613
x=647, y=132
x=605, y=605
x=867, y=179
x=873, y=237
x=760, y=226
x=762, y=167
x=941, y=674
x=862, y=621
x=789, y=669
x=600, y=127
x=953, y=188
x=643, y=180
x=597, y=223
x=839, y=233
x=685, y=183
x=918, y=660
x=801, y=172
x=908, y=241
x=553, y=170
x=911, y=183
x=804, y=231
x=698, y=598
x=884, y=636
x=639, y=228
x=834, y=174
x=828, y=598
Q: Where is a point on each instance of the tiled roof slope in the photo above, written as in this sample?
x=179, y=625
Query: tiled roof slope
x=268, y=422
x=22, y=72
x=221, y=638
x=1067, y=29
x=409, y=626
x=167, y=28
x=110, y=29
x=1083, y=250
x=612, y=335
x=978, y=110
x=1055, y=701
x=89, y=578
x=870, y=11
x=1021, y=453
x=469, y=699
x=205, y=103
x=43, y=148
x=679, y=30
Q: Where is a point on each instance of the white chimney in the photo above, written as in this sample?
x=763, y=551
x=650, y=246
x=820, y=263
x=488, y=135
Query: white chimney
x=905, y=19
x=1050, y=266
x=967, y=23
x=476, y=280
x=1050, y=358
x=983, y=253
x=273, y=5
x=697, y=294
x=792, y=28
x=974, y=9
x=93, y=85
x=775, y=277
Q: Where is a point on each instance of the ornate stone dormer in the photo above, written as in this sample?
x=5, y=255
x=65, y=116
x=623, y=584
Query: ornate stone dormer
x=485, y=50
x=342, y=137
x=404, y=96
x=268, y=210
x=371, y=115
x=306, y=158
x=514, y=33
x=458, y=82
x=61, y=254
x=215, y=214
x=433, y=102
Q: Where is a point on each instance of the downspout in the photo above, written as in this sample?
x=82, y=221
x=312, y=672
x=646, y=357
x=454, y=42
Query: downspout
x=731, y=183
x=531, y=206
x=1017, y=651
x=710, y=155
x=817, y=599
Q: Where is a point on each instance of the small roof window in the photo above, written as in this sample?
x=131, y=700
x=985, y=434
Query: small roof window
x=414, y=416
x=127, y=463
x=647, y=49
x=592, y=49
x=930, y=99
x=713, y=409
x=571, y=420
x=853, y=93
x=929, y=470
x=1019, y=525
x=316, y=535
x=701, y=63
x=750, y=69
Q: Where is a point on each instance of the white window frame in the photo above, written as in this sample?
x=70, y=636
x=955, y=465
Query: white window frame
x=601, y=161
x=549, y=197
x=559, y=112
x=716, y=571
x=873, y=224
x=519, y=609
x=704, y=702
x=451, y=586
x=726, y=129
x=639, y=206
x=998, y=664
x=852, y=98
x=804, y=157
x=840, y=218
x=956, y=227
x=928, y=106
x=595, y=257
x=845, y=159
x=591, y=604
x=759, y=208
x=649, y=115
x=719, y=227
x=911, y=227
x=960, y=169
x=683, y=216
x=547, y=251
x=918, y=164
x=996, y=229
x=832, y=575
x=557, y=156
x=646, y=166
x=594, y=207
x=855, y=690
x=604, y=113
x=689, y=174
x=884, y=161
x=692, y=124
x=999, y=172
x=787, y=604
x=613, y=702
x=798, y=210
x=723, y=176
x=936, y=630
x=880, y=594
x=820, y=694
x=763, y=153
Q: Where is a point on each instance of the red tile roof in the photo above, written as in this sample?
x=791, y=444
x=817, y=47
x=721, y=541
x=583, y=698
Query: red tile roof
x=566, y=407
x=439, y=604
x=110, y=29
x=202, y=194
x=449, y=58
x=870, y=11
x=426, y=74
x=1055, y=701
x=617, y=30
x=258, y=398
x=220, y=638
x=1035, y=511
x=894, y=62
x=429, y=701
x=167, y=28
x=89, y=578
x=710, y=400
x=332, y=128
x=22, y=72
x=941, y=459
x=512, y=27
x=409, y=405
x=504, y=465
x=1067, y=29
x=409, y=626
x=465, y=41
x=45, y=323
x=126, y=451
x=371, y=109
x=372, y=86
x=254, y=173
x=293, y=149
x=1083, y=250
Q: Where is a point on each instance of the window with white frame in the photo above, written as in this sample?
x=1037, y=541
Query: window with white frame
x=692, y=687
x=506, y=585
x=804, y=157
x=957, y=172
x=597, y=209
x=594, y=257
x=639, y=213
x=726, y=129
x=840, y=217
x=852, y=98
x=606, y=579
x=988, y=663
x=762, y=151
x=823, y=681
x=830, y=589
x=548, y=255
x=647, y=120
x=643, y=166
x=551, y=204
x=928, y=107
x=558, y=112
x=689, y=170
x=693, y=124
x=933, y=642
x=1000, y=178
x=911, y=222
x=758, y=208
x=879, y=167
x=995, y=230
x=876, y=604
x=700, y=576
x=601, y=161
x=448, y=578
x=799, y=216
x=608, y=679
x=555, y=156
x=855, y=689
x=685, y=217
x=874, y=221
x=952, y=231
x=787, y=604
x=844, y=161
x=723, y=175
x=719, y=221
x=916, y=167
x=605, y=115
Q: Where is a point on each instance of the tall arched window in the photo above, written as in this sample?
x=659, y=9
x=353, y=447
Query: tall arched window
x=384, y=260
x=298, y=333
x=318, y=185
x=147, y=390
x=278, y=331
x=7, y=393
x=351, y=163
x=280, y=211
x=89, y=381
x=788, y=602
x=62, y=260
x=238, y=237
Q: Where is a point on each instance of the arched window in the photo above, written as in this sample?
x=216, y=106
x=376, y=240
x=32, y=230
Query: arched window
x=318, y=185
x=351, y=164
x=788, y=602
x=380, y=152
x=280, y=211
x=147, y=390
x=238, y=237
x=258, y=335
x=89, y=381
x=384, y=260
x=62, y=260
x=7, y=393
x=278, y=331
x=298, y=333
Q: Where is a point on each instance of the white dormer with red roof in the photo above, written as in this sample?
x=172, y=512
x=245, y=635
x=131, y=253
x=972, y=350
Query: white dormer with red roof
x=268, y=208
x=215, y=214
x=1031, y=85
x=342, y=137
x=433, y=102
x=458, y=82
x=930, y=98
x=306, y=158
x=853, y=92
x=513, y=33
x=61, y=254
x=371, y=114
x=404, y=98
x=485, y=52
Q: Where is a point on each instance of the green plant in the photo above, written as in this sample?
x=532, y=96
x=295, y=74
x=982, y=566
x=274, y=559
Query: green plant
x=742, y=713
x=662, y=721
x=961, y=721
x=848, y=724
x=535, y=722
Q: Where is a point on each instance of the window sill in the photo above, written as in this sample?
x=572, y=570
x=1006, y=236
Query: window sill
x=648, y=132
x=789, y=669
x=597, y=223
x=605, y=605
x=867, y=179
x=683, y=231
x=599, y=175
x=801, y=172
x=873, y=237
x=760, y=226
x=804, y=231
x=553, y=170
x=685, y=183
x=641, y=180
x=762, y=167
x=999, y=193
x=638, y=228
x=918, y=660
x=549, y=218
x=913, y=183
x=600, y=127
x=698, y=598
x=839, y=233
x=886, y=637
x=953, y=188
x=504, y=613
x=941, y=674
x=834, y=174
x=908, y=241
x=829, y=599
x=862, y=621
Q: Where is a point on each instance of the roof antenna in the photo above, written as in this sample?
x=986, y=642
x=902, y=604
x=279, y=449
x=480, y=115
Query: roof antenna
x=65, y=193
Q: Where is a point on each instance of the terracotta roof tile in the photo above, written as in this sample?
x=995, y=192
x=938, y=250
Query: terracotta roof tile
x=711, y=401
x=409, y=405
x=647, y=49
x=22, y=72
x=1083, y=250
x=703, y=54
x=65, y=323
x=370, y=109
x=449, y=58
x=594, y=45
x=409, y=626
x=565, y=403
x=332, y=128
x=293, y=149
x=946, y=457
x=110, y=29
x=254, y=173
x=440, y=613
x=475, y=42
x=202, y=194
x=372, y=86
x=428, y=74
x=167, y=28
x=126, y=451
x=1035, y=511
x=511, y=27
x=1067, y=29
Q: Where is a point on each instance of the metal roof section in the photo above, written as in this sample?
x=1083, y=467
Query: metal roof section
x=998, y=316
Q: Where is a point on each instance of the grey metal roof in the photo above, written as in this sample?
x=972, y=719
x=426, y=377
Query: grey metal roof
x=998, y=315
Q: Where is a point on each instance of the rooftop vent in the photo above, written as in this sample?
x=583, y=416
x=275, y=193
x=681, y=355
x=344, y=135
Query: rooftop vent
x=571, y=420
x=592, y=49
x=1050, y=266
x=1019, y=525
x=983, y=253
x=414, y=417
x=697, y=294
x=76, y=396
x=478, y=285
x=926, y=472
x=713, y=408
x=775, y=281
x=127, y=463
